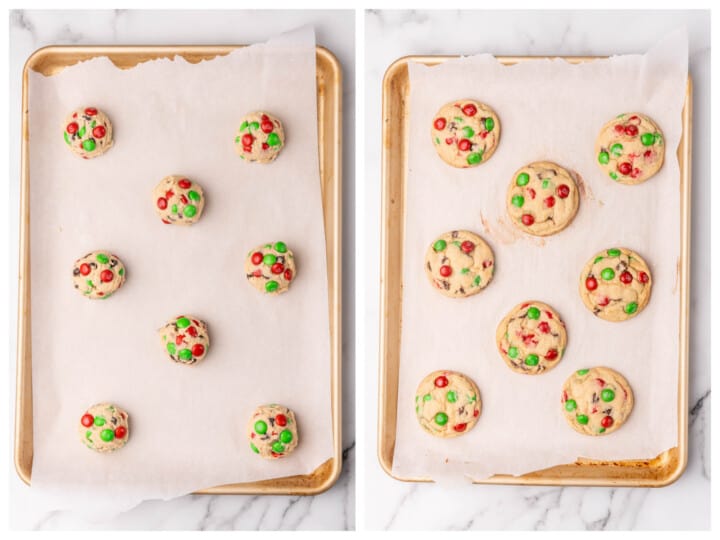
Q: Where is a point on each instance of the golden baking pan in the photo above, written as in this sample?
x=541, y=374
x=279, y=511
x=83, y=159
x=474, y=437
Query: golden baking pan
x=51, y=60
x=652, y=472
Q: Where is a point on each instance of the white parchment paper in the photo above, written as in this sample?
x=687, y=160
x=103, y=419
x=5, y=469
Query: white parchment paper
x=187, y=424
x=548, y=110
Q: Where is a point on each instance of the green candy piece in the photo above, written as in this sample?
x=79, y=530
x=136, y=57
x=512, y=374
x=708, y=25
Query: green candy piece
x=93, y=124
x=522, y=179
x=439, y=245
x=613, y=175
x=607, y=395
x=278, y=447
x=582, y=419
x=441, y=419
x=121, y=271
x=512, y=352
x=468, y=132
x=427, y=397
x=518, y=200
x=194, y=195
x=451, y=396
x=67, y=139
x=243, y=126
x=464, y=270
x=607, y=274
x=604, y=158
x=99, y=421
x=532, y=359
x=182, y=322
x=280, y=247
x=237, y=140
x=269, y=259
x=614, y=252
x=174, y=208
x=570, y=405
x=458, y=119
x=88, y=435
x=631, y=308
x=88, y=145
x=107, y=435
x=437, y=141
x=81, y=132
x=254, y=448
x=533, y=313
x=582, y=371
x=254, y=126
x=260, y=427
x=185, y=354
x=271, y=286
x=616, y=149
x=103, y=259
x=171, y=348
x=489, y=124
x=545, y=184
x=273, y=139
x=648, y=139
x=601, y=430
x=190, y=210
x=474, y=158
x=286, y=436
x=598, y=259
x=477, y=280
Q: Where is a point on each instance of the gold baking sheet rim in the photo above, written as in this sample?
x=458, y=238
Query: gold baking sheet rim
x=658, y=471
x=53, y=59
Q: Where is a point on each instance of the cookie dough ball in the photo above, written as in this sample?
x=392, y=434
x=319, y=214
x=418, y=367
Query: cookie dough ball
x=542, y=198
x=88, y=132
x=465, y=133
x=459, y=264
x=104, y=427
x=270, y=268
x=615, y=284
x=630, y=148
x=273, y=431
x=178, y=200
x=98, y=274
x=531, y=338
x=596, y=401
x=185, y=339
x=260, y=137
x=447, y=404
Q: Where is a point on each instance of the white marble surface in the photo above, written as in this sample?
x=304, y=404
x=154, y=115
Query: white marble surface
x=30, y=30
x=390, y=504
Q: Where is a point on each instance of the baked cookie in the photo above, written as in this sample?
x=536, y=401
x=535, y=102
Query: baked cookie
x=273, y=431
x=630, y=148
x=447, y=404
x=98, y=274
x=185, y=339
x=465, y=133
x=459, y=264
x=542, y=198
x=531, y=338
x=270, y=268
x=260, y=137
x=596, y=401
x=88, y=132
x=178, y=200
x=104, y=427
x=615, y=284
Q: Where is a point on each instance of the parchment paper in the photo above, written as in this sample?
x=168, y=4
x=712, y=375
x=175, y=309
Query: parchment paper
x=187, y=424
x=548, y=110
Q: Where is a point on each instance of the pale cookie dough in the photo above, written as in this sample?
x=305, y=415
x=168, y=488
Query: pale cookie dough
x=185, y=339
x=459, y=264
x=447, y=404
x=178, y=200
x=260, y=137
x=104, y=427
x=465, y=133
x=88, y=132
x=615, y=284
x=630, y=148
x=98, y=274
x=270, y=268
x=273, y=431
x=531, y=338
x=596, y=401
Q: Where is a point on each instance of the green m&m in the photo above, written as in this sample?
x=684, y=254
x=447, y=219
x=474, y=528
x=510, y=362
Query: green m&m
x=99, y=421
x=427, y=397
x=273, y=139
x=518, y=200
x=451, y=396
x=439, y=245
x=254, y=448
x=280, y=247
x=269, y=259
x=185, y=354
x=648, y=139
x=271, y=286
x=102, y=258
x=607, y=274
x=474, y=158
x=616, y=149
x=171, y=348
x=522, y=179
x=441, y=419
x=278, y=447
x=570, y=405
x=613, y=252
x=582, y=371
x=532, y=360
x=286, y=436
x=89, y=145
x=533, y=313
x=489, y=124
x=604, y=158
x=512, y=352
x=631, y=308
x=468, y=132
x=607, y=395
x=107, y=435
x=182, y=322
x=260, y=427
x=582, y=419
x=190, y=210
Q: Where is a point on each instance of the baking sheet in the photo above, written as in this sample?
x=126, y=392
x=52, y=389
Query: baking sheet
x=543, y=109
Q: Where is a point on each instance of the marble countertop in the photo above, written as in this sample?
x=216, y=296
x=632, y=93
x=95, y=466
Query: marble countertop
x=30, y=30
x=389, y=504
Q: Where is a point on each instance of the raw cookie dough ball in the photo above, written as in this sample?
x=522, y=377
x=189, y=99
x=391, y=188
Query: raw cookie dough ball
x=88, y=132
x=459, y=264
x=273, y=431
x=260, y=137
x=447, y=404
x=630, y=148
x=531, y=338
x=98, y=274
x=542, y=198
x=104, y=427
x=596, y=401
x=185, y=339
x=270, y=268
x=615, y=284
x=178, y=200
x=465, y=133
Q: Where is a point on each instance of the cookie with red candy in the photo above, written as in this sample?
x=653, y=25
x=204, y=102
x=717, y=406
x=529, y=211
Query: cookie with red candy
x=98, y=274
x=270, y=268
x=88, y=132
x=178, y=200
x=104, y=427
x=260, y=137
x=465, y=133
x=185, y=339
x=273, y=431
x=447, y=404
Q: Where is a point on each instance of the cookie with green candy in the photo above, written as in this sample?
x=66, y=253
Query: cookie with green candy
x=98, y=274
x=465, y=133
x=178, y=200
x=447, y=404
x=88, y=132
x=459, y=264
x=104, y=427
x=270, y=268
x=273, y=431
x=185, y=339
x=260, y=137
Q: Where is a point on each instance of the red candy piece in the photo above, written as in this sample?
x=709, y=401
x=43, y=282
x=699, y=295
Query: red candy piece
x=600, y=381
x=120, y=432
x=626, y=277
x=106, y=276
x=247, y=148
x=643, y=277
x=476, y=413
x=192, y=331
x=266, y=126
x=162, y=203
x=469, y=109
x=257, y=257
x=169, y=193
x=467, y=246
x=288, y=274
x=624, y=168
x=544, y=327
x=527, y=220
x=98, y=132
x=449, y=140
x=562, y=191
x=184, y=199
x=265, y=146
x=550, y=201
x=72, y=128
x=619, y=128
x=277, y=268
x=607, y=421
x=604, y=302
x=487, y=264
x=84, y=269
x=440, y=124
x=591, y=283
x=530, y=339
x=464, y=145
x=184, y=183
x=445, y=270
x=247, y=139
x=91, y=111
x=179, y=339
x=257, y=273
x=281, y=420
x=441, y=381
x=552, y=354
x=647, y=154
x=549, y=314
x=631, y=130
x=459, y=427
x=87, y=420
x=531, y=192
x=197, y=349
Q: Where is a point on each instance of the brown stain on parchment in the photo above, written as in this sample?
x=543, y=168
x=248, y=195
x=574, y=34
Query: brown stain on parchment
x=505, y=233
x=583, y=189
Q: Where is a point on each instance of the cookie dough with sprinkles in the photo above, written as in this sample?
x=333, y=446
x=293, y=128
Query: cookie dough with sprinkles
x=465, y=133
x=531, y=338
x=459, y=264
x=98, y=274
x=178, y=200
x=596, y=401
x=88, y=132
x=185, y=339
x=615, y=284
x=447, y=404
x=273, y=431
x=260, y=137
x=104, y=427
x=270, y=268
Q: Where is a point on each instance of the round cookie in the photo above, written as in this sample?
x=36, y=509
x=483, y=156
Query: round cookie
x=104, y=427
x=270, y=268
x=542, y=198
x=178, y=200
x=185, y=339
x=447, y=404
x=98, y=274
x=88, y=132
x=596, y=401
x=615, y=284
x=630, y=148
x=459, y=264
x=260, y=137
x=273, y=431
x=465, y=133
x=531, y=338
